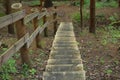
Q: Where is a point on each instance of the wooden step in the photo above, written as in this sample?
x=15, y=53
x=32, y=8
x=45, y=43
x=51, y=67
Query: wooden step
x=64, y=67
x=69, y=52
x=65, y=42
x=65, y=48
x=64, y=56
x=65, y=35
x=78, y=75
x=64, y=61
x=65, y=39
x=65, y=45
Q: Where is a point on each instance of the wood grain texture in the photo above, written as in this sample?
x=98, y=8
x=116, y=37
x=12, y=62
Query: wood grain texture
x=13, y=49
x=9, y=19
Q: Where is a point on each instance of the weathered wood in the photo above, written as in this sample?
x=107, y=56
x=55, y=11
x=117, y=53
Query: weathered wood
x=36, y=32
x=45, y=30
x=56, y=69
x=13, y=49
x=9, y=11
x=50, y=13
x=55, y=23
x=92, y=16
x=21, y=31
x=9, y=19
x=33, y=35
x=30, y=17
x=41, y=15
x=37, y=39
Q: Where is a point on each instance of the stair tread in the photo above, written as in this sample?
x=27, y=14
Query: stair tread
x=64, y=56
x=78, y=75
x=64, y=61
x=65, y=67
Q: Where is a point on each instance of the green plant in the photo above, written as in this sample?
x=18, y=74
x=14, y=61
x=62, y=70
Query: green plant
x=108, y=71
x=114, y=17
x=2, y=14
x=103, y=4
x=104, y=41
x=42, y=43
x=7, y=69
x=102, y=61
x=32, y=71
x=31, y=51
x=76, y=16
x=25, y=70
x=4, y=49
x=114, y=34
x=116, y=62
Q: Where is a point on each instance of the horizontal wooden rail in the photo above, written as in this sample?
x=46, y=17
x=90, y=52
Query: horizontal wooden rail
x=13, y=49
x=30, y=17
x=9, y=19
x=41, y=15
x=25, y=40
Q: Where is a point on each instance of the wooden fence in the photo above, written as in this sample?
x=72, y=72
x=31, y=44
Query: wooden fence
x=20, y=18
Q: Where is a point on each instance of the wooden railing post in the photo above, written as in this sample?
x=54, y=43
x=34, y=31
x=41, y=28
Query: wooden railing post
x=45, y=30
x=21, y=31
x=37, y=39
x=55, y=23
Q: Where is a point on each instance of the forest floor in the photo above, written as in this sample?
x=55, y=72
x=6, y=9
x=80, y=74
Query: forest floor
x=101, y=61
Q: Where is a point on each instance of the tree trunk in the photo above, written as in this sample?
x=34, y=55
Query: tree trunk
x=119, y=2
x=48, y=3
x=8, y=11
x=92, y=16
x=81, y=14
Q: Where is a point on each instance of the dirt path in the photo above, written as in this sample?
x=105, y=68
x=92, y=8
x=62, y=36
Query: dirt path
x=65, y=12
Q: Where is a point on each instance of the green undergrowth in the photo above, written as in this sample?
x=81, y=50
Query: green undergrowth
x=2, y=14
x=108, y=33
x=99, y=4
x=33, y=3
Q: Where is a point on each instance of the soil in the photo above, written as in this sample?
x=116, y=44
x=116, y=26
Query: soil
x=101, y=62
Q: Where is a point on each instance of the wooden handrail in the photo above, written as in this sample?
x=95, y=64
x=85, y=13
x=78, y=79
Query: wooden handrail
x=9, y=19
x=25, y=39
x=13, y=49
x=30, y=17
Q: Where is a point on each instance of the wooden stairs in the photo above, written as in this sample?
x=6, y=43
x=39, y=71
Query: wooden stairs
x=64, y=62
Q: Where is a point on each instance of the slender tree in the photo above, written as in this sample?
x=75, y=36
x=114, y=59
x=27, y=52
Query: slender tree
x=92, y=16
x=7, y=5
x=81, y=14
x=119, y=2
x=48, y=3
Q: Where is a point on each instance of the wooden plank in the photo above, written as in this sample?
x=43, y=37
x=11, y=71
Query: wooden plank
x=41, y=15
x=9, y=19
x=35, y=33
x=32, y=37
x=0, y=43
x=39, y=30
x=50, y=13
x=13, y=49
x=30, y=17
